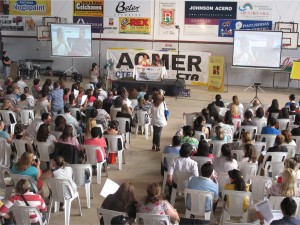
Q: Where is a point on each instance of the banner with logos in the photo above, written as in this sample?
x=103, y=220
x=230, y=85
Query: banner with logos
x=134, y=25
x=89, y=12
x=31, y=8
x=167, y=18
x=202, y=18
x=255, y=10
x=226, y=27
x=12, y=23
x=191, y=66
x=124, y=9
x=216, y=73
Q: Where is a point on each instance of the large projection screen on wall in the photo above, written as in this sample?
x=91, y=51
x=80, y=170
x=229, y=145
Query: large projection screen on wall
x=257, y=49
x=71, y=40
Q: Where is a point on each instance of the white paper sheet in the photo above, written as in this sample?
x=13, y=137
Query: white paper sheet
x=110, y=187
x=76, y=92
x=265, y=210
x=83, y=99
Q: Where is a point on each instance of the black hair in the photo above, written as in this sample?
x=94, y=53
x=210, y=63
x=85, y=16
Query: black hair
x=94, y=113
x=45, y=116
x=36, y=81
x=218, y=97
x=9, y=90
x=67, y=109
x=260, y=112
x=146, y=97
x=119, y=220
x=23, y=97
x=114, y=124
x=118, y=102
x=272, y=121
x=226, y=151
x=274, y=105
x=292, y=97
x=248, y=114
x=71, y=98
x=188, y=131
x=288, y=206
x=285, y=113
x=96, y=132
x=228, y=117
x=198, y=123
x=185, y=150
x=213, y=109
x=297, y=119
x=238, y=181
x=292, y=106
x=176, y=140
x=207, y=169
x=55, y=85
x=203, y=148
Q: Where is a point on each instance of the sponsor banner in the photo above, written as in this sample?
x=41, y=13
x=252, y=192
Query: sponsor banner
x=12, y=23
x=201, y=21
x=258, y=10
x=134, y=25
x=226, y=27
x=96, y=22
x=191, y=66
x=213, y=10
x=167, y=18
x=203, y=30
x=126, y=8
x=92, y=8
x=31, y=8
x=216, y=73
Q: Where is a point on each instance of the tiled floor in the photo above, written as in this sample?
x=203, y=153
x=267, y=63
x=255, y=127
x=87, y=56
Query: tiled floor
x=143, y=165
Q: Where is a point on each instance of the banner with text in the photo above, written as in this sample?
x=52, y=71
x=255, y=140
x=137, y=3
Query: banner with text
x=226, y=27
x=132, y=25
x=167, y=18
x=216, y=73
x=191, y=66
x=32, y=8
x=12, y=23
x=255, y=10
x=89, y=12
x=125, y=9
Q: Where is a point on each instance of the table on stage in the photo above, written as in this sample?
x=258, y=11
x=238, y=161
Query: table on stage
x=284, y=72
x=48, y=62
x=149, y=73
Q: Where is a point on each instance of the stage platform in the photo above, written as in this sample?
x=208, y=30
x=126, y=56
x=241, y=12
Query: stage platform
x=170, y=86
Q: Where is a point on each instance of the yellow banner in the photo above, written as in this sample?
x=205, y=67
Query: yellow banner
x=216, y=73
x=33, y=8
x=134, y=25
x=295, y=74
x=92, y=8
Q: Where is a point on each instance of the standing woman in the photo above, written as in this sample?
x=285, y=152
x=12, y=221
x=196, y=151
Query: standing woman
x=158, y=119
x=94, y=73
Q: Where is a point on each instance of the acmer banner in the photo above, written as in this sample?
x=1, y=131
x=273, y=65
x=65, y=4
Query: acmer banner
x=191, y=66
x=33, y=7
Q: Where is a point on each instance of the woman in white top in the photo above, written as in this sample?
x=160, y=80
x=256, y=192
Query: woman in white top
x=94, y=73
x=226, y=162
x=43, y=135
x=235, y=101
x=288, y=139
x=158, y=119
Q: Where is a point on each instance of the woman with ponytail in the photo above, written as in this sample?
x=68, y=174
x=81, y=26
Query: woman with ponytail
x=188, y=137
x=154, y=205
x=237, y=183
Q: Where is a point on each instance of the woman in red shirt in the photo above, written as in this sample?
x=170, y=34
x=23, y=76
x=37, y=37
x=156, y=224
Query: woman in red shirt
x=98, y=141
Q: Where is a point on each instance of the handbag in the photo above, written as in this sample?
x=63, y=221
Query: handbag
x=167, y=113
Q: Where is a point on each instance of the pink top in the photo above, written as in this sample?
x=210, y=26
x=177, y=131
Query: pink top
x=98, y=142
x=71, y=141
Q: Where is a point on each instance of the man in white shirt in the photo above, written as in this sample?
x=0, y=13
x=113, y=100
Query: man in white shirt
x=71, y=120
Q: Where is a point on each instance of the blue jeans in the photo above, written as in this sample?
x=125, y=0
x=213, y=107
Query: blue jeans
x=6, y=72
x=55, y=111
x=156, y=135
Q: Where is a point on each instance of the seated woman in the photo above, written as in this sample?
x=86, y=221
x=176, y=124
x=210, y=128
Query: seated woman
x=117, y=104
x=248, y=119
x=90, y=97
x=225, y=163
x=250, y=154
x=44, y=135
x=188, y=137
x=288, y=139
x=259, y=115
x=154, y=205
x=292, y=164
x=288, y=187
x=7, y=105
x=235, y=101
x=24, y=197
x=67, y=137
x=23, y=103
x=203, y=150
x=123, y=200
x=199, y=125
x=125, y=113
x=219, y=134
x=235, y=112
x=103, y=117
x=113, y=128
x=19, y=133
x=237, y=183
x=97, y=140
x=92, y=122
x=175, y=146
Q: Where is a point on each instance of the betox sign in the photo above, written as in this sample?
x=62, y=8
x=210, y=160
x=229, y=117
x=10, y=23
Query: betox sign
x=123, y=8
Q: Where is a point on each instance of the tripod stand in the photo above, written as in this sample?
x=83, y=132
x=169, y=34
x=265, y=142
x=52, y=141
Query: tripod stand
x=257, y=86
x=178, y=89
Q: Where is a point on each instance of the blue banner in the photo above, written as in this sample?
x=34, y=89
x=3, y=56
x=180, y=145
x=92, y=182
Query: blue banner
x=213, y=10
x=96, y=22
x=226, y=27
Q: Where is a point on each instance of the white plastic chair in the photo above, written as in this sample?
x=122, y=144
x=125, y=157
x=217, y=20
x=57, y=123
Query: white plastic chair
x=20, y=146
x=16, y=177
x=238, y=154
x=275, y=157
x=260, y=124
x=291, y=150
x=275, y=202
x=217, y=145
x=223, y=111
x=235, y=206
x=248, y=128
x=43, y=149
x=91, y=152
x=247, y=169
x=180, y=178
x=188, y=118
x=9, y=119
x=201, y=160
x=79, y=171
x=123, y=124
x=269, y=139
x=223, y=178
x=283, y=124
x=276, y=168
x=76, y=113
x=5, y=173
x=297, y=140
x=152, y=219
x=199, y=135
x=22, y=214
x=259, y=147
x=259, y=185
x=198, y=201
x=112, y=147
x=113, y=113
x=107, y=215
x=169, y=159
x=141, y=123
x=62, y=191
x=89, y=86
x=26, y=116
x=5, y=152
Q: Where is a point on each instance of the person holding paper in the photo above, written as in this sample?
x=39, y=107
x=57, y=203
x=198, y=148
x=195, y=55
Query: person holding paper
x=288, y=208
x=144, y=61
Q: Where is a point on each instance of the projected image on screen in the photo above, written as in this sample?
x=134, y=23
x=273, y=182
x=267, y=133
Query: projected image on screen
x=257, y=49
x=72, y=40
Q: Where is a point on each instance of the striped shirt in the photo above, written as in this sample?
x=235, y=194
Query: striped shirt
x=32, y=199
